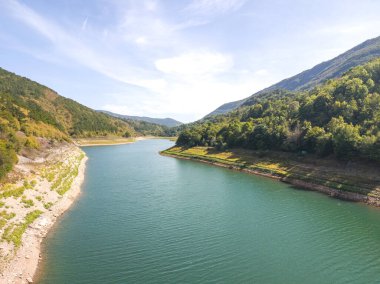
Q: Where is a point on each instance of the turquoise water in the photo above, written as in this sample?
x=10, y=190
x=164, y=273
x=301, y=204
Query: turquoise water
x=144, y=218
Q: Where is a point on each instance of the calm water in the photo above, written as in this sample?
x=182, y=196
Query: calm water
x=144, y=218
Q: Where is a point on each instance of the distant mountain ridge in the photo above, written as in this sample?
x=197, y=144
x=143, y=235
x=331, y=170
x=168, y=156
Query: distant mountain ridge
x=169, y=122
x=320, y=73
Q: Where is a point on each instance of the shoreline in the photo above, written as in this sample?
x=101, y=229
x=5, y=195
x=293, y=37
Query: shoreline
x=92, y=142
x=298, y=183
x=23, y=266
x=104, y=141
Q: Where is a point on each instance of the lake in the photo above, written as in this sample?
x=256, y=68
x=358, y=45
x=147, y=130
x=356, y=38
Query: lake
x=145, y=218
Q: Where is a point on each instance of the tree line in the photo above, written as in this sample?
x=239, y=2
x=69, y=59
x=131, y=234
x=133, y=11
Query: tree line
x=340, y=117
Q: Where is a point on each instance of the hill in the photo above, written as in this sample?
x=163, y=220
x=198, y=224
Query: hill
x=168, y=122
x=308, y=79
x=32, y=114
x=340, y=118
x=326, y=139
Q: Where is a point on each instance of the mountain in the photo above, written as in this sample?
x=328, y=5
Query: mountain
x=29, y=105
x=169, y=122
x=340, y=118
x=32, y=115
x=320, y=73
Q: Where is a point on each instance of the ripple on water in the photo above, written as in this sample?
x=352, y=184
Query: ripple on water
x=145, y=218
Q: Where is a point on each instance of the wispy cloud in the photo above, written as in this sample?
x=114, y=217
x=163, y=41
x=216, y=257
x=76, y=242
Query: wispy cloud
x=66, y=44
x=205, y=7
x=84, y=24
x=34, y=20
x=172, y=77
x=179, y=57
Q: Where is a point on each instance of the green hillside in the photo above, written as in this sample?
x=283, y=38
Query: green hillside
x=340, y=118
x=308, y=79
x=30, y=112
x=167, y=122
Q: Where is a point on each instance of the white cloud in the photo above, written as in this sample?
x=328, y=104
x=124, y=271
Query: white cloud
x=141, y=40
x=195, y=63
x=66, y=44
x=262, y=72
x=214, y=6
x=151, y=5
x=178, y=69
x=35, y=21
x=84, y=24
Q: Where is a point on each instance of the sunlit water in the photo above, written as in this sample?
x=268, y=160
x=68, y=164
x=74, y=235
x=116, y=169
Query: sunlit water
x=145, y=218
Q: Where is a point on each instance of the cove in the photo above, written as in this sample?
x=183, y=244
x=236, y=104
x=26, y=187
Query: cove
x=145, y=218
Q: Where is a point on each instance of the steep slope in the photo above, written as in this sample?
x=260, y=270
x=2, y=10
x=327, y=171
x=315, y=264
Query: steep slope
x=32, y=103
x=169, y=122
x=32, y=115
x=308, y=79
x=340, y=118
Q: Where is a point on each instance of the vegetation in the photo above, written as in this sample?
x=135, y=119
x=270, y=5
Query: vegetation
x=62, y=175
x=308, y=79
x=168, y=122
x=48, y=205
x=13, y=233
x=30, y=111
x=149, y=128
x=288, y=166
x=340, y=118
x=9, y=190
x=27, y=202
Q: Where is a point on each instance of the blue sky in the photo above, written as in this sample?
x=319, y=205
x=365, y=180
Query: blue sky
x=179, y=59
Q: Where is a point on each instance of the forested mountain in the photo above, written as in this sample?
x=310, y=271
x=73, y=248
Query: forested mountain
x=168, y=122
x=308, y=79
x=30, y=111
x=340, y=117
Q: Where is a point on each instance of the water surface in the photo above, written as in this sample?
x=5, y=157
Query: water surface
x=144, y=218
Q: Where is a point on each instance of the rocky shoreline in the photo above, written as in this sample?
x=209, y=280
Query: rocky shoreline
x=21, y=265
x=335, y=193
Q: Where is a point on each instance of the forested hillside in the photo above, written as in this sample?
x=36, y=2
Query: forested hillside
x=340, y=117
x=308, y=79
x=30, y=112
x=168, y=122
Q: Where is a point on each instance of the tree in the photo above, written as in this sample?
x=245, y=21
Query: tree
x=346, y=138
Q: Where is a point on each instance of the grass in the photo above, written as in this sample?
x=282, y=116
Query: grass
x=28, y=202
x=27, y=185
x=62, y=175
x=3, y=222
x=48, y=205
x=362, y=179
x=7, y=216
x=13, y=233
x=9, y=190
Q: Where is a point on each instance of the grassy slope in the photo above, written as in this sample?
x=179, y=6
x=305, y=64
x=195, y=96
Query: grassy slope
x=31, y=113
x=358, y=178
x=41, y=104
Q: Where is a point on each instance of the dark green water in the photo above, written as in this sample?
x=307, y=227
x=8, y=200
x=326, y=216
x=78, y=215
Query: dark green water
x=144, y=218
